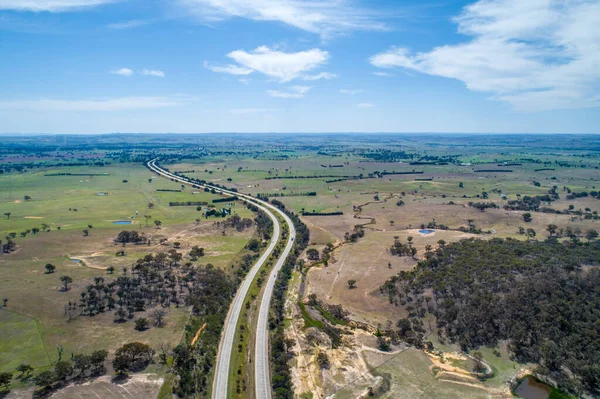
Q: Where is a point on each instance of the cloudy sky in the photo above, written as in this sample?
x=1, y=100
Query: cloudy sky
x=100, y=66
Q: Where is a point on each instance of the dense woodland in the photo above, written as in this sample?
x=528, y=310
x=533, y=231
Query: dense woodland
x=543, y=297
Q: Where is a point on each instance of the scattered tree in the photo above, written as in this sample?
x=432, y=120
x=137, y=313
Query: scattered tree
x=66, y=280
x=351, y=283
x=50, y=268
x=141, y=324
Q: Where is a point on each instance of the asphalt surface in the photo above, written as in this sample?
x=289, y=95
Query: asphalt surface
x=261, y=364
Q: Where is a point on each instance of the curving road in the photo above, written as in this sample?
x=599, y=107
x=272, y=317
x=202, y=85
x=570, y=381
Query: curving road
x=262, y=375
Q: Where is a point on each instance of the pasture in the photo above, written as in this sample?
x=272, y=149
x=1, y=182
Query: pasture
x=34, y=323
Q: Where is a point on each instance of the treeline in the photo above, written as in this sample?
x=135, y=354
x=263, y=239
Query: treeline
x=304, y=213
x=292, y=194
x=493, y=171
x=308, y=177
x=482, y=206
x=583, y=194
x=281, y=349
x=228, y=199
x=168, y=190
x=188, y=203
x=76, y=174
x=536, y=295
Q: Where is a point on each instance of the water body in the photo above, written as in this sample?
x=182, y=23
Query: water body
x=77, y=260
x=122, y=222
x=530, y=388
x=426, y=231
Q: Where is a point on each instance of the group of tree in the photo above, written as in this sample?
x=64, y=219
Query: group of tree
x=80, y=367
x=236, y=222
x=536, y=295
x=357, y=233
x=398, y=248
x=134, y=237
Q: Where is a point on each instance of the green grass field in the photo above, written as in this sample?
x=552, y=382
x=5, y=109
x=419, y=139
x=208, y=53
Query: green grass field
x=34, y=325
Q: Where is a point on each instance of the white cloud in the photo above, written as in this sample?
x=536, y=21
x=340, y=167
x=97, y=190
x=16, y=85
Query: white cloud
x=111, y=104
x=383, y=74
x=324, y=17
x=134, y=23
x=150, y=72
x=365, y=105
x=246, y=111
x=535, y=54
x=351, y=92
x=50, y=5
x=230, y=69
x=322, y=75
x=244, y=81
x=279, y=65
x=122, y=72
x=292, y=92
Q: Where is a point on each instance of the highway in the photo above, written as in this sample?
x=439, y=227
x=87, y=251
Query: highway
x=261, y=351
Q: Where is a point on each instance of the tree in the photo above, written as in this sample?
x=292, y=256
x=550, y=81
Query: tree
x=27, y=198
x=157, y=223
x=110, y=269
x=413, y=251
x=141, y=324
x=150, y=205
x=323, y=360
x=7, y=214
x=147, y=217
x=132, y=356
x=158, y=314
x=45, y=379
x=176, y=244
x=351, y=283
x=86, y=232
x=120, y=315
x=66, y=280
x=25, y=370
x=527, y=217
x=479, y=366
x=552, y=229
x=530, y=233
x=591, y=234
x=63, y=370
x=312, y=254
x=50, y=268
x=5, y=379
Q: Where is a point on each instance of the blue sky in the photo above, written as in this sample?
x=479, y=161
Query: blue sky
x=101, y=66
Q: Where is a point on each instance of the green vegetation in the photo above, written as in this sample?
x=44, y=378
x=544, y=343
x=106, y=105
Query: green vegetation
x=485, y=291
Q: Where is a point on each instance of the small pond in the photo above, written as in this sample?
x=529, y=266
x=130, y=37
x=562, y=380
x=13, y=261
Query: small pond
x=427, y=231
x=76, y=260
x=530, y=388
x=122, y=222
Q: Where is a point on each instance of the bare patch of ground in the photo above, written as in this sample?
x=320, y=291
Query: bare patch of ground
x=368, y=262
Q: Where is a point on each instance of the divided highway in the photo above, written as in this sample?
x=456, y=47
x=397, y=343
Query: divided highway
x=261, y=351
